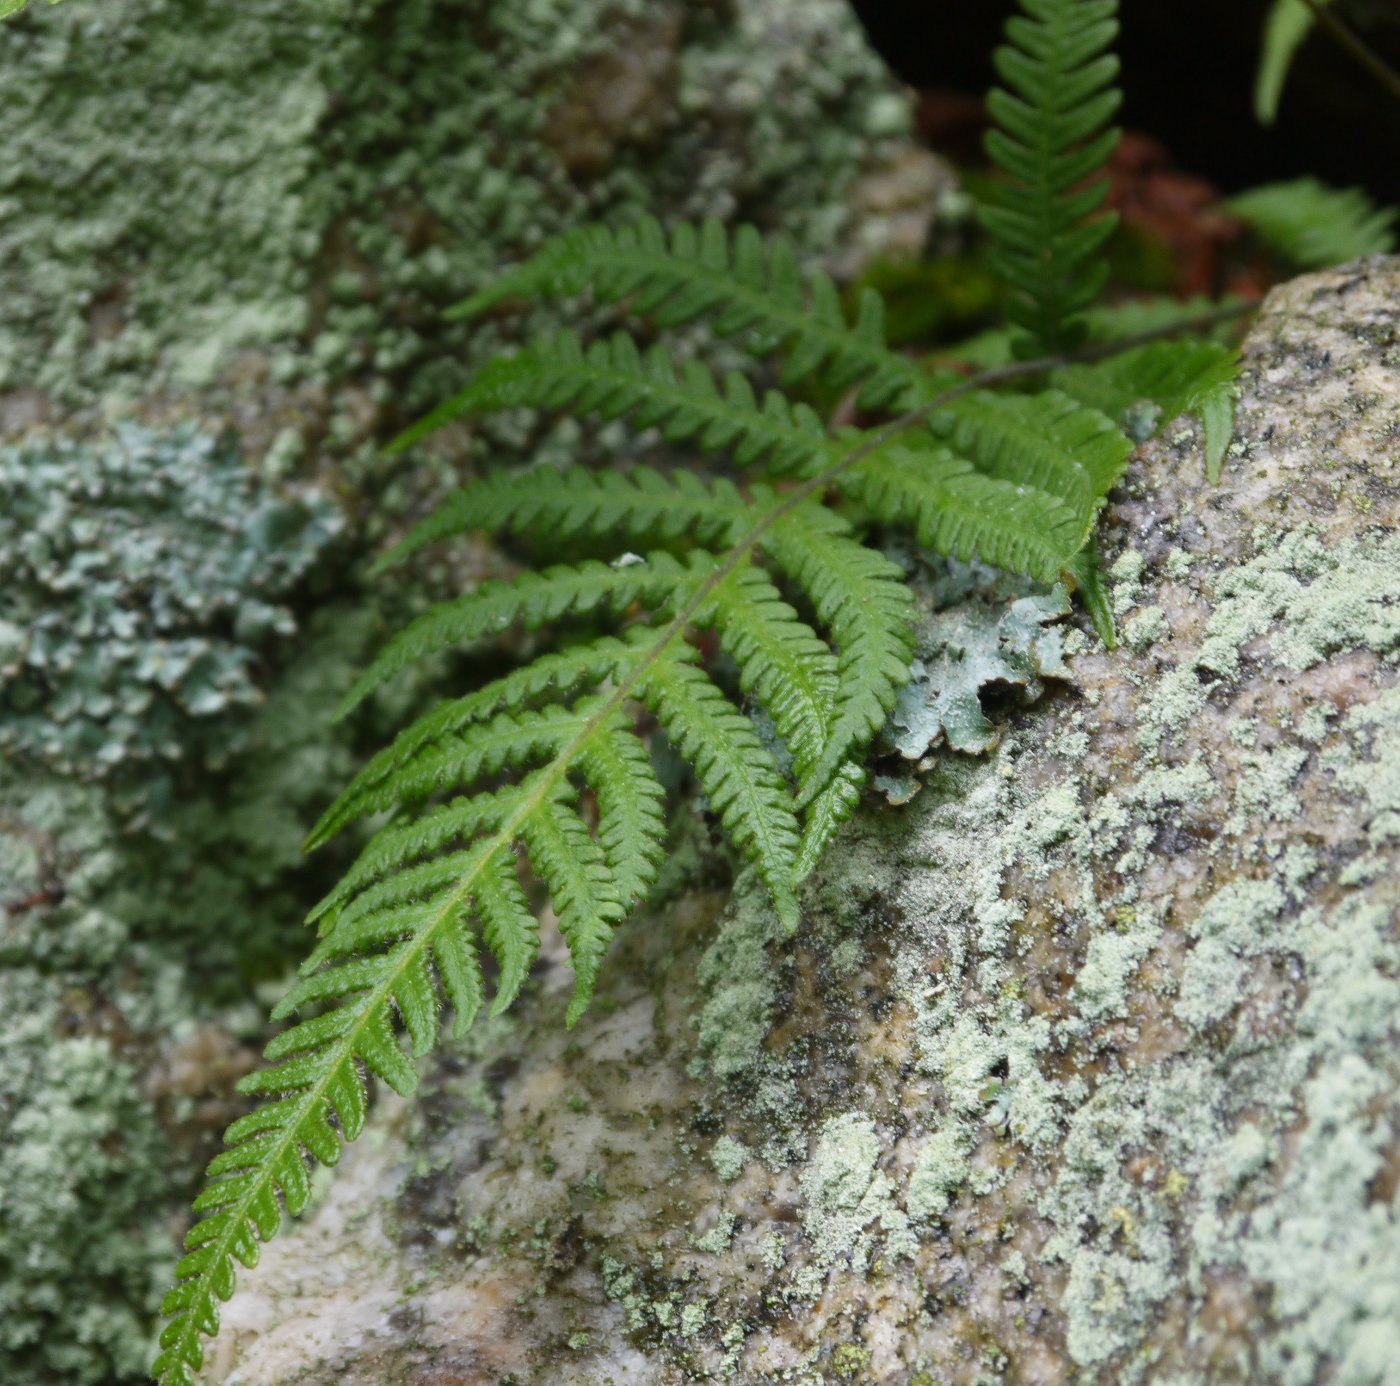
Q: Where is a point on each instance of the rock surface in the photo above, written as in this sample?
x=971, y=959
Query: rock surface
x=1083, y=1064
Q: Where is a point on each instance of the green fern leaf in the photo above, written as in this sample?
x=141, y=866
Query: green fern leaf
x=748, y=287
x=612, y=378
x=545, y=767
x=824, y=814
x=781, y=662
x=1046, y=441
x=734, y=768
x=1186, y=377
x=1051, y=114
x=508, y=925
x=640, y=507
x=958, y=510
x=530, y=601
x=631, y=824
x=860, y=597
x=1086, y=576
x=586, y=896
x=561, y=674
x=1313, y=226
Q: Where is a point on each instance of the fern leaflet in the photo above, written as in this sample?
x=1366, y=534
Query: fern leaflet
x=1188, y=377
x=1050, y=139
x=742, y=285
x=1313, y=226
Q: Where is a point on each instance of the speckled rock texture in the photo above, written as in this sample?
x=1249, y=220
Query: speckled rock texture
x=1082, y=1067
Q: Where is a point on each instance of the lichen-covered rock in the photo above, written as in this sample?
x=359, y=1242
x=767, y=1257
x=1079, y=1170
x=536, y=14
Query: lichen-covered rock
x=144, y=576
x=263, y=209
x=1083, y=1065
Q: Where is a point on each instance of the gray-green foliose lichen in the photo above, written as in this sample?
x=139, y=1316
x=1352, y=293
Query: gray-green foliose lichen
x=974, y=645
x=145, y=575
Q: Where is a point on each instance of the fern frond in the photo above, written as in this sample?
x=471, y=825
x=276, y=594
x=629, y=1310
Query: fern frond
x=1313, y=226
x=561, y=674
x=545, y=768
x=1050, y=143
x=587, y=898
x=747, y=286
x=612, y=378
x=781, y=662
x=400, y=934
x=640, y=507
x=1085, y=575
x=508, y=925
x=825, y=812
x=320, y=1099
x=1185, y=377
x=477, y=751
x=1046, y=441
x=631, y=823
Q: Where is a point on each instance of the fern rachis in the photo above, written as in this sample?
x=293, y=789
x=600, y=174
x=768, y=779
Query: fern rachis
x=501, y=771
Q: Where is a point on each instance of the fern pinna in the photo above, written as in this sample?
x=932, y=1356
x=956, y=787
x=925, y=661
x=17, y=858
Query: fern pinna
x=548, y=764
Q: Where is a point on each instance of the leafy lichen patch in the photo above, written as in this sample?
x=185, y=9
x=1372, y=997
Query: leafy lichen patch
x=146, y=575
x=975, y=647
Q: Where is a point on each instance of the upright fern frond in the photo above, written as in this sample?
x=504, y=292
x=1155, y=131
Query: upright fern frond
x=1051, y=143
